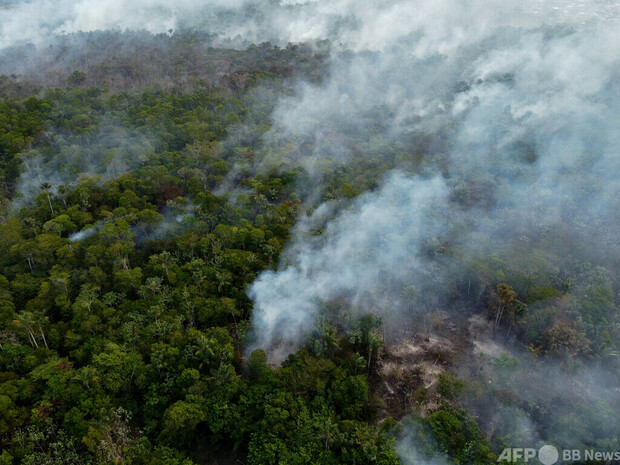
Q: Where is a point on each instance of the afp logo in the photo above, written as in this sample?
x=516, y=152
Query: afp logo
x=547, y=454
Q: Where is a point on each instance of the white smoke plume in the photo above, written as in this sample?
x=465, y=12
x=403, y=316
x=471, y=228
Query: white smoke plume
x=375, y=243
x=440, y=26
x=83, y=234
x=504, y=90
x=524, y=97
x=524, y=93
x=410, y=453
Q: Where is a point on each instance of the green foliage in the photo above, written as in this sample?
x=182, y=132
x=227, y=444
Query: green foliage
x=123, y=304
x=449, y=386
x=459, y=436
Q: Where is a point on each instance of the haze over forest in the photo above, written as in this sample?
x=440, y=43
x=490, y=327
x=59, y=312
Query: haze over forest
x=308, y=232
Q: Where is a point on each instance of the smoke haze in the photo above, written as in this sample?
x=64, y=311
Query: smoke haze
x=524, y=97
x=523, y=94
x=439, y=26
x=529, y=123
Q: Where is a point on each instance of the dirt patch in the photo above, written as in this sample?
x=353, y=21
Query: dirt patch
x=481, y=333
x=408, y=369
x=407, y=373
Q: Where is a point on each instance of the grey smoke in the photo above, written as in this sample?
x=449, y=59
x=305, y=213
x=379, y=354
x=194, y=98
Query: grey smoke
x=525, y=92
x=174, y=220
x=35, y=21
x=525, y=95
x=409, y=451
x=110, y=151
x=362, y=25
x=374, y=244
x=538, y=86
x=83, y=234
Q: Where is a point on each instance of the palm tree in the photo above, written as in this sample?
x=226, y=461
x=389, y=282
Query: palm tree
x=374, y=342
x=46, y=187
x=63, y=191
x=329, y=432
x=358, y=362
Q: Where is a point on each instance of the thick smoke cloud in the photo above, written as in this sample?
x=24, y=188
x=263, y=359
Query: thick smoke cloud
x=377, y=243
x=530, y=116
x=439, y=27
x=37, y=20
x=525, y=98
x=525, y=94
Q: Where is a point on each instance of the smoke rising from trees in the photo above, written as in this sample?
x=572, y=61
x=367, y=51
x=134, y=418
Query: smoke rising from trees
x=524, y=98
x=521, y=100
x=530, y=137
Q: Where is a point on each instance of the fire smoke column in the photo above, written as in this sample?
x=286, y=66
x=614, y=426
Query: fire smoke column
x=377, y=240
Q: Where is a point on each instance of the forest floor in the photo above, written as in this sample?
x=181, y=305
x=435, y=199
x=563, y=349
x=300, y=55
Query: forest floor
x=408, y=370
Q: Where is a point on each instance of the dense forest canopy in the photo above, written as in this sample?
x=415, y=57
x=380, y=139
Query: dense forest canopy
x=318, y=232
